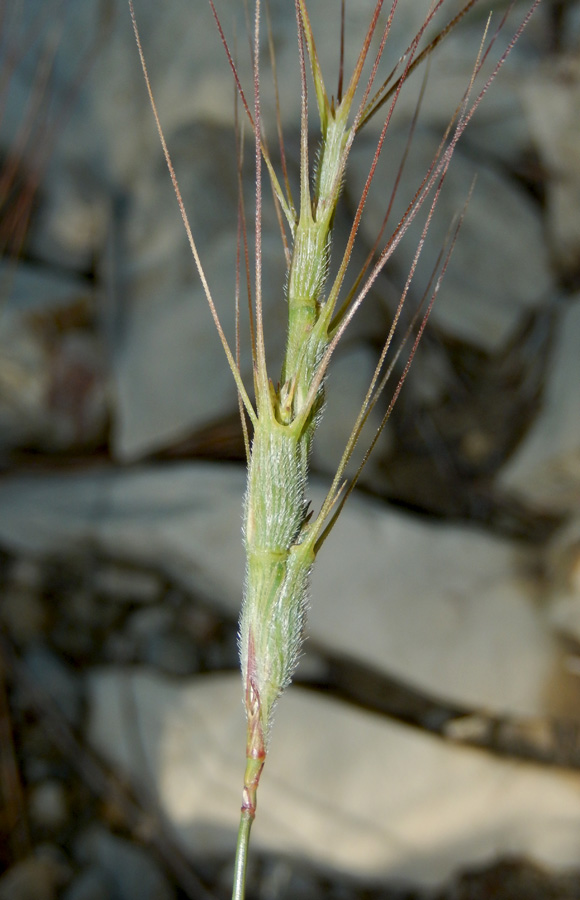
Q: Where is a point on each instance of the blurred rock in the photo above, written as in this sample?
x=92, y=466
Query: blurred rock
x=545, y=469
x=71, y=224
x=125, y=585
x=347, y=383
x=113, y=129
x=172, y=651
x=499, y=268
x=514, y=879
x=141, y=630
x=53, y=677
x=552, y=104
x=564, y=573
x=26, y=574
x=375, y=798
x=130, y=870
x=91, y=884
x=282, y=881
x=170, y=372
x=23, y=614
x=144, y=623
x=48, y=805
x=35, y=878
x=53, y=391
x=108, y=185
x=444, y=607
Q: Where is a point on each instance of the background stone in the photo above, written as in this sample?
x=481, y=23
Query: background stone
x=340, y=788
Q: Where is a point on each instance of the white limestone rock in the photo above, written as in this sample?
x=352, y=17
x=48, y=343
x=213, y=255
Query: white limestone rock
x=341, y=788
x=444, y=607
x=53, y=384
x=169, y=368
x=552, y=104
x=499, y=268
x=563, y=571
x=345, y=388
x=546, y=468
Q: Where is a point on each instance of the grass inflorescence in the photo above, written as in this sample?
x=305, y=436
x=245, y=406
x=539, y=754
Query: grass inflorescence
x=281, y=534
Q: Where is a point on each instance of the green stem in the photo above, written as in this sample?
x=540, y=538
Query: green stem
x=242, y=845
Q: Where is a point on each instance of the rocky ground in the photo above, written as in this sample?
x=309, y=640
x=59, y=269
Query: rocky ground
x=430, y=747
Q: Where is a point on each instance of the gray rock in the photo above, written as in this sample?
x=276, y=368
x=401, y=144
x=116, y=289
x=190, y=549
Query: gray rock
x=552, y=103
x=23, y=614
x=34, y=878
x=563, y=572
x=48, y=804
x=444, y=607
x=159, y=330
x=500, y=265
x=164, y=335
x=348, y=381
x=119, y=648
x=126, y=585
x=282, y=881
x=27, y=574
x=145, y=623
x=172, y=651
x=70, y=227
x=58, y=681
x=91, y=884
x=545, y=470
x=347, y=790
x=130, y=869
x=223, y=654
x=53, y=391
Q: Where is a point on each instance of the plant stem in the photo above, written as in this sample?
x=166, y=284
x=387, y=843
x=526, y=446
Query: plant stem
x=255, y=756
x=239, y=889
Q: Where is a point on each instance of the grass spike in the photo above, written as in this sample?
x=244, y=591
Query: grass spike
x=281, y=536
